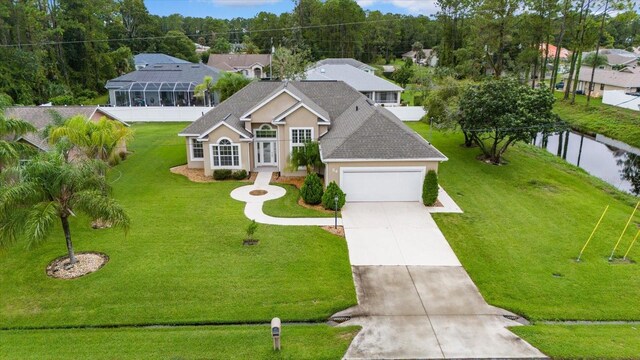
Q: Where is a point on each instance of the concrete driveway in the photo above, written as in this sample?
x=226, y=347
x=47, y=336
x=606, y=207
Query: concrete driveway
x=415, y=300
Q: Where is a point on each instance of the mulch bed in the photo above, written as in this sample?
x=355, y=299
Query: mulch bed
x=339, y=231
x=198, y=176
x=258, y=192
x=296, y=181
x=88, y=262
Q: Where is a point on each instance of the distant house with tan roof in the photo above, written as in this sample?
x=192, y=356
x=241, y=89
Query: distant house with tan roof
x=250, y=65
x=616, y=57
x=627, y=79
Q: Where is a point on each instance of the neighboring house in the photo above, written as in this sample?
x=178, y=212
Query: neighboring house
x=627, y=79
x=564, y=53
x=251, y=66
x=161, y=85
x=616, y=58
x=201, y=48
x=377, y=89
x=430, y=57
x=368, y=151
x=347, y=61
x=143, y=60
x=41, y=116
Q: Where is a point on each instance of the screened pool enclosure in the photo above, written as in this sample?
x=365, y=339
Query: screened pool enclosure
x=160, y=94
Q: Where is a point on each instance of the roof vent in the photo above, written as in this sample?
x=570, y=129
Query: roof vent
x=356, y=107
x=322, y=71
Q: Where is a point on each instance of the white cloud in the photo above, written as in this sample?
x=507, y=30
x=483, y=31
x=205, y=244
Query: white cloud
x=241, y=2
x=365, y=3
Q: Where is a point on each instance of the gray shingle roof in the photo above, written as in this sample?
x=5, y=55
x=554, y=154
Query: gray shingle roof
x=627, y=78
x=41, y=116
x=147, y=59
x=345, y=61
x=357, y=79
x=370, y=132
x=170, y=73
x=233, y=62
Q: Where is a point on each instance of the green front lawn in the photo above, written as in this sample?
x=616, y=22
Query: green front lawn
x=584, y=341
x=614, y=122
x=204, y=342
x=183, y=260
x=288, y=207
x=523, y=226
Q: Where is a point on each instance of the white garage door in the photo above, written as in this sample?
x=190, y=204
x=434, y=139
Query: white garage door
x=382, y=184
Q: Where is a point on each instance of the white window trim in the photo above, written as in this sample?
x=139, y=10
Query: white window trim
x=291, y=136
x=225, y=167
x=191, y=150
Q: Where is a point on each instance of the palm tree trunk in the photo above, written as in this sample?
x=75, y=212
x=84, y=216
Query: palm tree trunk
x=67, y=235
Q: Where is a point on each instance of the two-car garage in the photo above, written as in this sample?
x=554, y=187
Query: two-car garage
x=389, y=183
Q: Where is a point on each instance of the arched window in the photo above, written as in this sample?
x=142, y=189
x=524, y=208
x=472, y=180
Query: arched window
x=225, y=154
x=265, y=131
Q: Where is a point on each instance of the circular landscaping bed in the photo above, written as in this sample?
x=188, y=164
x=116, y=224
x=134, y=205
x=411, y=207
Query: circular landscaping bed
x=258, y=192
x=88, y=262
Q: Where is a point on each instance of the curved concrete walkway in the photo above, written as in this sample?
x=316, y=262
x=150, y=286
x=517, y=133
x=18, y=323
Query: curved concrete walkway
x=253, y=209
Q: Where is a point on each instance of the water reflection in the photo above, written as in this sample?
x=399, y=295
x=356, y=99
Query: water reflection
x=612, y=161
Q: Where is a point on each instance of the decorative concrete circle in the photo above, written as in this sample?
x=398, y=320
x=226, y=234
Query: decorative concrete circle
x=266, y=192
x=88, y=262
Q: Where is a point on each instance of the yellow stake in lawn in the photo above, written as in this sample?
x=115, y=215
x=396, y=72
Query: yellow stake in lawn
x=623, y=231
x=633, y=242
x=593, y=232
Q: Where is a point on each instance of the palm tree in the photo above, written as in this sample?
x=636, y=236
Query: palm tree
x=307, y=156
x=95, y=140
x=49, y=188
x=205, y=90
x=10, y=131
x=229, y=84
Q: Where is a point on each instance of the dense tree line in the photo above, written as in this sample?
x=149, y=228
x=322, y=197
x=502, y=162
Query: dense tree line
x=52, y=48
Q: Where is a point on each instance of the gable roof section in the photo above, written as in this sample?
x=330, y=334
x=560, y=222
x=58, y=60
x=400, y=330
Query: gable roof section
x=156, y=58
x=355, y=78
x=231, y=122
x=234, y=62
x=345, y=61
x=626, y=78
x=277, y=92
x=168, y=73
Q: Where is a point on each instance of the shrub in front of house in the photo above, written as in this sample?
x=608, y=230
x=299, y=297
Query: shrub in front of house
x=222, y=174
x=239, y=175
x=311, y=191
x=430, y=188
x=328, y=199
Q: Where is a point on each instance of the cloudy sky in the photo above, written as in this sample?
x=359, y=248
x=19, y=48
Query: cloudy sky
x=248, y=8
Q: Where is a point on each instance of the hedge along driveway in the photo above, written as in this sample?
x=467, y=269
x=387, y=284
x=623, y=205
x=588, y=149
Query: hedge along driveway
x=183, y=260
x=524, y=224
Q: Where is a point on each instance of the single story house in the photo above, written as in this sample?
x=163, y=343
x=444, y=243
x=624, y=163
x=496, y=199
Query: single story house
x=143, y=60
x=41, y=116
x=347, y=61
x=161, y=85
x=366, y=150
x=430, y=57
x=251, y=66
x=616, y=58
x=627, y=79
x=379, y=90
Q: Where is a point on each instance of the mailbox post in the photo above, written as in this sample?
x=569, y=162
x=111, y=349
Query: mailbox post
x=276, y=330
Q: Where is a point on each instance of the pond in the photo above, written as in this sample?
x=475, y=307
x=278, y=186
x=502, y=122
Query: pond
x=612, y=161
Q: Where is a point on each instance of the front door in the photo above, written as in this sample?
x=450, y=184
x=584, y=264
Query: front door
x=266, y=153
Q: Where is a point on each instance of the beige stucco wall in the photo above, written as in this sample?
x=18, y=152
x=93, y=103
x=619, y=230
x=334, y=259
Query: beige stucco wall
x=596, y=92
x=275, y=107
x=192, y=164
x=301, y=118
x=214, y=137
x=332, y=171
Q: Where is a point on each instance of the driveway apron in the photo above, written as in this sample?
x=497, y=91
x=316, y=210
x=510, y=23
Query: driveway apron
x=415, y=300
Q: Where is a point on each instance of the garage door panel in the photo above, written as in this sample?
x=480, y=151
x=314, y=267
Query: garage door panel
x=373, y=184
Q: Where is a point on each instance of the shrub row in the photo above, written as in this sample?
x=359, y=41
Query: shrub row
x=312, y=193
x=226, y=174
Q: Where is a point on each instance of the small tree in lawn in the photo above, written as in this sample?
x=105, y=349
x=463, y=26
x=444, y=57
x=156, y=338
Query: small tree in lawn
x=329, y=197
x=497, y=113
x=47, y=189
x=307, y=156
x=430, y=188
x=251, y=229
x=311, y=191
